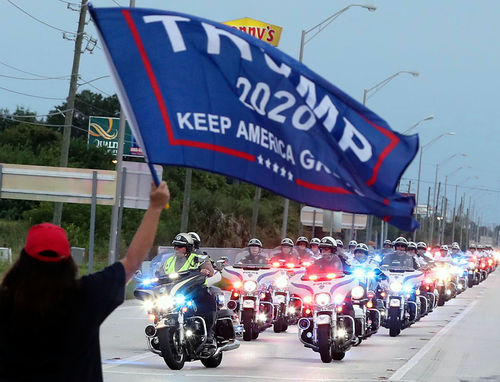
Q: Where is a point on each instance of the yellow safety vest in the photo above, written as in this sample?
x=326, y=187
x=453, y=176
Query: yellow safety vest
x=189, y=264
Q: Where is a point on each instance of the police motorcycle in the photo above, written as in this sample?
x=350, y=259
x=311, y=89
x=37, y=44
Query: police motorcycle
x=473, y=273
x=178, y=333
x=460, y=270
x=402, y=303
x=367, y=316
x=251, y=299
x=287, y=306
x=446, y=288
x=428, y=288
x=425, y=303
x=328, y=323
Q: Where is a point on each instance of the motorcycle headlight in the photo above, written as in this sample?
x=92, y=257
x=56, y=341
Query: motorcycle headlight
x=148, y=305
x=407, y=288
x=322, y=299
x=395, y=286
x=281, y=282
x=359, y=273
x=165, y=302
x=357, y=292
x=250, y=286
x=472, y=265
x=371, y=275
x=443, y=274
x=180, y=299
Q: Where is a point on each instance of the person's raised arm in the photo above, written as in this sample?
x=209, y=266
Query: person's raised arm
x=145, y=235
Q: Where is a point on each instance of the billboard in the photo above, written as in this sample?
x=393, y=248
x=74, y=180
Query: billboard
x=263, y=31
x=103, y=132
x=56, y=184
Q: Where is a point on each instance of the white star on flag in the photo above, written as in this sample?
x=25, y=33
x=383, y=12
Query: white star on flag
x=268, y=163
x=276, y=168
x=283, y=171
x=260, y=159
x=290, y=176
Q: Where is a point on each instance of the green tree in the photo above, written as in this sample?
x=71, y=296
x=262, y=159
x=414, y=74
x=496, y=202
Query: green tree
x=87, y=104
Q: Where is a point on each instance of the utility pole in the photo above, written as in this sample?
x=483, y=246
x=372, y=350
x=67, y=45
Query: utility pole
x=68, y=121
x=187, y=198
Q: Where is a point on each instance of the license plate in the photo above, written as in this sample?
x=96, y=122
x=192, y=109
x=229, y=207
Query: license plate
x=248, y=304
x=395, y=302
x=323, y=319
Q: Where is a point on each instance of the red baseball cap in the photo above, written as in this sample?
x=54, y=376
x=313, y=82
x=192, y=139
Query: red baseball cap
x=47, y=237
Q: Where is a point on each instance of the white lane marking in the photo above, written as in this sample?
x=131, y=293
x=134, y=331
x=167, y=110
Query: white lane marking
x=139, y=373
x=232, y=376
x=417, y=357
x=108, y=364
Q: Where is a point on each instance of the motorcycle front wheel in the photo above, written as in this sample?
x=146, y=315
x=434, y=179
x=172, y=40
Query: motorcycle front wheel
x=394, y=322
x=324, y=343
x=172, y=353
x=442, y=296
x=338, y=356
x=246, y=319
x=212, y=362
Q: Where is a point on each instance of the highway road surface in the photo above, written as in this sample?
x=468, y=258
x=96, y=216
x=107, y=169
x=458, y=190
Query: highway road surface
x=457, y=342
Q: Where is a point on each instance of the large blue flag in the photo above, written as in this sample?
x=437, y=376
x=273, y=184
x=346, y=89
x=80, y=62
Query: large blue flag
x=201, y=94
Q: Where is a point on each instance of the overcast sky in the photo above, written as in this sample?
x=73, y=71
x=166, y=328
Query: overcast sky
x=453, y=44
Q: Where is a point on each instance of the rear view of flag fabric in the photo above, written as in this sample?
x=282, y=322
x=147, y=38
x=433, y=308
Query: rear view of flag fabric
x=201, y=94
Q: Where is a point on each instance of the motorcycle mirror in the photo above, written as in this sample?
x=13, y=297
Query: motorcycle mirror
x=224, y=258
x=138, y=275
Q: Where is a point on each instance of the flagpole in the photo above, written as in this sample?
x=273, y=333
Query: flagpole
x=112, y=256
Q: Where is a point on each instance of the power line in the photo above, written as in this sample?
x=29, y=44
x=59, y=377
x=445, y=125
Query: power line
x=34, y=79
x=453, y=185
x=117, y=3
x=95, y=107
x=32, y=116
x=31, y=95
x=40, y=21
x=102, y=91
x=34, y=123
x=69, y=3
x=32, y=74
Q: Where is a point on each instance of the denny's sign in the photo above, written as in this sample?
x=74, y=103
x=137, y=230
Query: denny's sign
x=263, y=31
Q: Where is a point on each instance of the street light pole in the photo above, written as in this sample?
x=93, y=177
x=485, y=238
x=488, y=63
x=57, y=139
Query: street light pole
x=454, y=209
x=435, y=198
x=422, y=148
x=377, y=87
x=322, y=25
x=418, y=123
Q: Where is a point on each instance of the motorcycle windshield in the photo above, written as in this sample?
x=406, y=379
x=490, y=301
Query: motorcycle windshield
x=397, y=262
x=285, y=255
x=253, y=257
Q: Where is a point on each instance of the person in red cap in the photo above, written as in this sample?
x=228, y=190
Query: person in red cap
x=50, y=319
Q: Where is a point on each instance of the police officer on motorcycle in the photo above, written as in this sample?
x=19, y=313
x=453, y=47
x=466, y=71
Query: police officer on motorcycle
x=400, y=258
x=254, y=255
x=286, y=252
x=443, y=254
x=423, y=257
x=329, y=262
x=360, y=255
x=185, y=259
x=314, y=244
x=305, y=253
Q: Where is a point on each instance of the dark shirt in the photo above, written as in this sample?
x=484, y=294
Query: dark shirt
x=322, y=266
x=71, y=353
x=251, y=259
x=289, y=257
x=393, y=260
